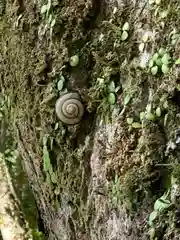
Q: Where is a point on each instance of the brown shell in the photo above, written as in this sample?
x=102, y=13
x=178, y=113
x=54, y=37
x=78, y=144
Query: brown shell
x=69, y=108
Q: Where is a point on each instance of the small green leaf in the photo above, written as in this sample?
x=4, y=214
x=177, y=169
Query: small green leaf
x=165, y=59
x=165, y=119
x=54, y=177
x=111, y=98
x=177, y=61
x=162, y=51
x=117, y=89
x=136, y=125
x=56, y=126
x=148, y=108
x=124, y=36
x=48, y=179
x=155, y=56
x=175, y=36
x=174, y=41
x=127, y=99
x=152, y=217
x=50, y=18
x=161, y=205
x=49, y=5
x=150, y=116
x=145, y=37
x=142, y=116
x=111, y=86
x=46, y=158
x=126, y=27
x=129, y=121
x=151, y=63
x=74, y=60
x=141, y=47
x=165, y=68
x=116, y=179
x=158, y=62
x=152, y=233
x=43, y=9
x=53, y=23
x=151, y=2
x=164, y=14
x=50, y=170
x=60, y=85
x=154, y=70
x=158, y=112
x=158, y=2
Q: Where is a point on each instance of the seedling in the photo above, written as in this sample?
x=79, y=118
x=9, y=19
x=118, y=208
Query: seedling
x=160, y=62
x=48, y=16
x=125, y=30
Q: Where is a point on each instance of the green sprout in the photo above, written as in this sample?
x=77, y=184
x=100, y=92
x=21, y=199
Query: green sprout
x=160, y=62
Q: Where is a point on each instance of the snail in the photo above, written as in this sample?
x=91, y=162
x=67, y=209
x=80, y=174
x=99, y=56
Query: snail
x=69, y=108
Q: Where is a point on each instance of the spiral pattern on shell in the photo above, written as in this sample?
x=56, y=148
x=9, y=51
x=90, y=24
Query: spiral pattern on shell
x=69, y=108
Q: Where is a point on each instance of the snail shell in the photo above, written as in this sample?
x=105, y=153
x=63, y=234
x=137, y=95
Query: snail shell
x=69, y=108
